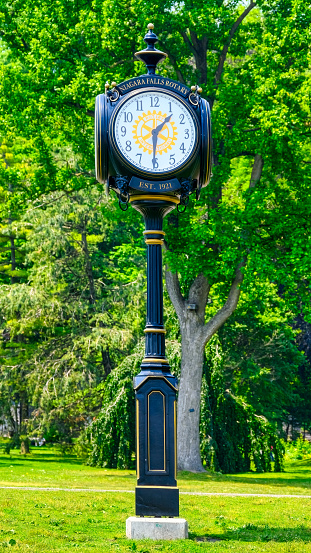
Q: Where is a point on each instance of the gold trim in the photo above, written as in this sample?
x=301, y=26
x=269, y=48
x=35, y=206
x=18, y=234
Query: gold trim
x=161, y=487
x=150, y=52
x=164, y=437
x=154, y=232
x=158, y=330
x=158, y=376
x=175, y=438
x=153, y=241
x=159, y=197
x=154, y=360
x=137, y=438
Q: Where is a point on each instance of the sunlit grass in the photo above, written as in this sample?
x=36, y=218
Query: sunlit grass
x=45, y=467
x=44, y=522
x=35, y=521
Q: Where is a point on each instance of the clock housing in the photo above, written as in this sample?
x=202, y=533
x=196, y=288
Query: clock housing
x=116, y=166
x=154, y=133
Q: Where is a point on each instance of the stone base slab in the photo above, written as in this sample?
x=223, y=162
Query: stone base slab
x=156, y=528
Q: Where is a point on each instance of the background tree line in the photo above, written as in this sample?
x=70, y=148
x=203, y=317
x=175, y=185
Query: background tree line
x=72, y=266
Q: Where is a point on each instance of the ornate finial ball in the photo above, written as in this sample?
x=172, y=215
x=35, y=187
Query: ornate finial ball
x=113, y=84
x=107, y=85
x=150, y=26
x=200, y=90
x=193, y=88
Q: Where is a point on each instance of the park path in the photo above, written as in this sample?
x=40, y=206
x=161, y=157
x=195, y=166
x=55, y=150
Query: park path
x=132, y=491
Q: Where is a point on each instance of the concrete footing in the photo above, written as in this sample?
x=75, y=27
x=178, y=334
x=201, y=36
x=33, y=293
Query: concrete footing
x=156, y=528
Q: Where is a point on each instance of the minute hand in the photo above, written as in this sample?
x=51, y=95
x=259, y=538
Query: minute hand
x=155, y=133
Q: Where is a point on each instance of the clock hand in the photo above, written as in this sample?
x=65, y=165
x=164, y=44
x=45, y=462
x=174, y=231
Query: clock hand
x=154, y=144
x=155, y=133
x=160, y=127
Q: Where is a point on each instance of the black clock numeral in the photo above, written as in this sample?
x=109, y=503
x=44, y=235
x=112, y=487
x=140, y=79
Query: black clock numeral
x=170, y=104
x=186, y=133
x=182, y=119
x=172, y=159
x=182, y=148
x=128, y=117
x=128, y=146
x=140, y=156
x=139, y=105
x=154, y=101
x=123, y=131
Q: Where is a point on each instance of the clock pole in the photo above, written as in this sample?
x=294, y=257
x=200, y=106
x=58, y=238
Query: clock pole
x=155, y=387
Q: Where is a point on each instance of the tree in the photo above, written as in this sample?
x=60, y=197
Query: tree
x=257, y=229
x=68, y=326
x=253, y=221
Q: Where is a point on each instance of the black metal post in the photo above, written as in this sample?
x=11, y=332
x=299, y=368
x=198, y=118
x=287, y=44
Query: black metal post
x=155, y=387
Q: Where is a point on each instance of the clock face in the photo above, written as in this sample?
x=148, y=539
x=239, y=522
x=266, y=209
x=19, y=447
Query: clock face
x=155, y=132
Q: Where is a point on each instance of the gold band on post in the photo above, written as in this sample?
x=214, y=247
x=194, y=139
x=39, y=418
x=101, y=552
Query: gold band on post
x=154, y=241
x=159, y=330
x=172, y=199
x=154, y=360
x=154, y=232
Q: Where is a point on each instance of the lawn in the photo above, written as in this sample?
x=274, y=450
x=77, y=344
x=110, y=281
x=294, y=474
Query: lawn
x=46, y=468
x=35, y=521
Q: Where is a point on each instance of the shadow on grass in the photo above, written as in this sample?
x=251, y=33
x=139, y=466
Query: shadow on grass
x=252, y=532
x=282, y=479
x=41, y=458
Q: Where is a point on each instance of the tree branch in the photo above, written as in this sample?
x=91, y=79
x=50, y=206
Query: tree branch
x=226, y=47
x=187, y=41
x=228, y=308
x=256, y=171
x=173, y=288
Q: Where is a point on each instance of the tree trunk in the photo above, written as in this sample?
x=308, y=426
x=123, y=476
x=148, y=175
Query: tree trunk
x=106, y=361
x=189, y=398
x=25, y=446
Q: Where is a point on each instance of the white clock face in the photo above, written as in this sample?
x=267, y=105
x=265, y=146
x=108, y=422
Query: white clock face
x=155, y=132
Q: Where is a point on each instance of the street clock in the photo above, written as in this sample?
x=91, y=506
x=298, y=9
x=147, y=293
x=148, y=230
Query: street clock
x=152, y=133
x=153, y=148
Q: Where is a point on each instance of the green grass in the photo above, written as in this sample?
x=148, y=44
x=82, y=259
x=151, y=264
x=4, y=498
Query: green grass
x=44, y=522
x=56, y=521
x=44, y=467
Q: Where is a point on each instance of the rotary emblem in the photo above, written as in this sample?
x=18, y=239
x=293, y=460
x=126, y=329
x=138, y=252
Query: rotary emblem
x=153, y=121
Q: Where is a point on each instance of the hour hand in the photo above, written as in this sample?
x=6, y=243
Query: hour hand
x=160, y=127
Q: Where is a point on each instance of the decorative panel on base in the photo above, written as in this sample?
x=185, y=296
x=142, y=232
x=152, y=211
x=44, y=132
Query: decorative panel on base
x=156, y=528
x=157, y=501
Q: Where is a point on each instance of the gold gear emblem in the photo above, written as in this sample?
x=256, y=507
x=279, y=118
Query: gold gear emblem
x=142, y=132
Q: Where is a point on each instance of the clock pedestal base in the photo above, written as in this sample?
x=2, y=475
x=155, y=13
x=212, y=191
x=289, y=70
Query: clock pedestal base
x=156, y=528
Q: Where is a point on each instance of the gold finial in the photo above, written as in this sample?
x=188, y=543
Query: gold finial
x=150, y=26
x=193, y=88
x=200, y=90
x=107, y=85
x=113, y=84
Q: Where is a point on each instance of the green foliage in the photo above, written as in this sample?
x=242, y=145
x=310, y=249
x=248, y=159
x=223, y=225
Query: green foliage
x=232, y=434
x=113, y=433
x=297, y=450
x=74, y=320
